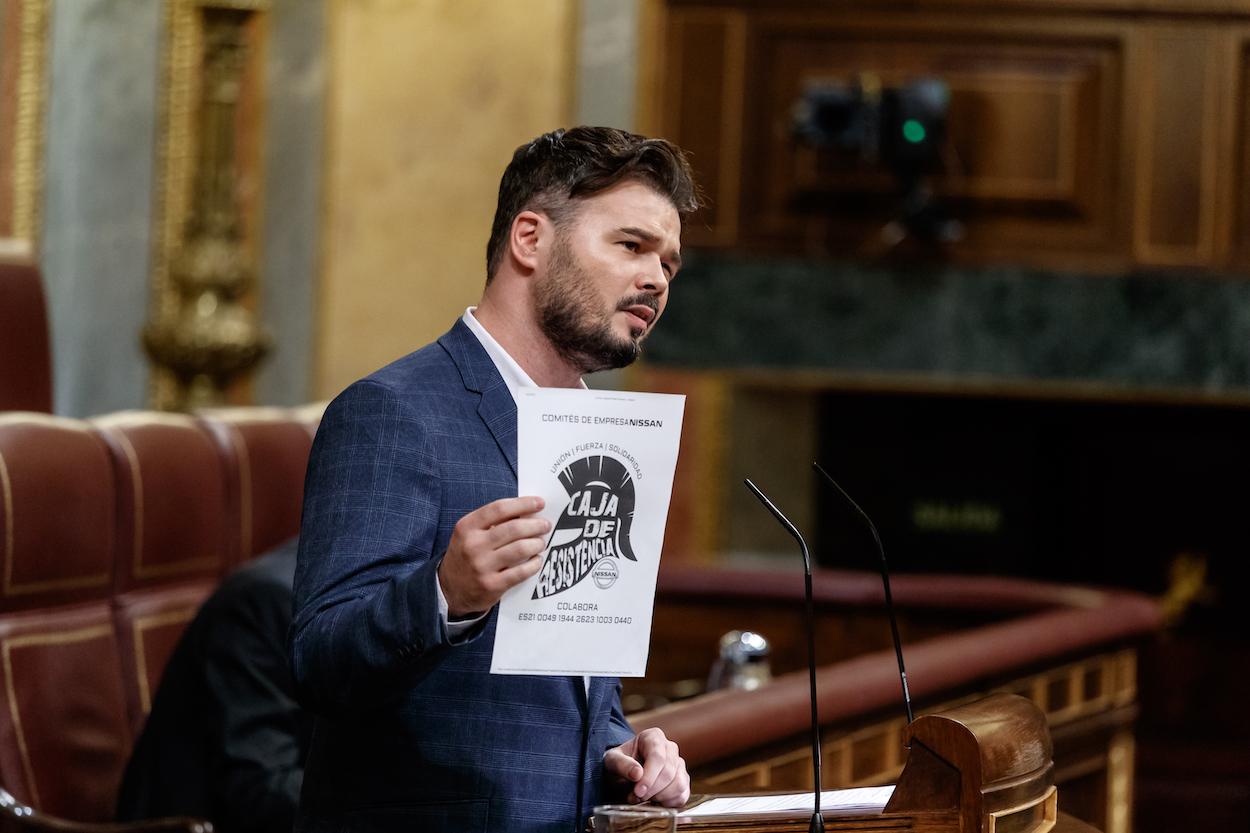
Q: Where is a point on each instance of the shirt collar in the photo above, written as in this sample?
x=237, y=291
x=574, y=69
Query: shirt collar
x=513, y=375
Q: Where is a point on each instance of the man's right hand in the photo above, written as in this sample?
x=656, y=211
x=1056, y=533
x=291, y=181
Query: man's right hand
x=492, y=549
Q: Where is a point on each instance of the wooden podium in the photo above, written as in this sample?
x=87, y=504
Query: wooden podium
x=983, y=767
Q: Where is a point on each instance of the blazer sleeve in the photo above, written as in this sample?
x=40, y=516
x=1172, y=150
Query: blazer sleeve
x=619, y=730
x=365, y=606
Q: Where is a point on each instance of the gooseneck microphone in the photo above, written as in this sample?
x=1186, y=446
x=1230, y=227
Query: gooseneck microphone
x=818, y=821
x=885, y=580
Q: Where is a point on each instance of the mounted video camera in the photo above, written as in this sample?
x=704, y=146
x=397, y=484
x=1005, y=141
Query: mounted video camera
x=902, y=128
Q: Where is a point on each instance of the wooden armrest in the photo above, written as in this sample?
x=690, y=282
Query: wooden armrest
x=15, y=817
x=723, y=723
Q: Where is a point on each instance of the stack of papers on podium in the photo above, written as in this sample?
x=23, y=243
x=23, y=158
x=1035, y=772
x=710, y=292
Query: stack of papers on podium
x=857, y=801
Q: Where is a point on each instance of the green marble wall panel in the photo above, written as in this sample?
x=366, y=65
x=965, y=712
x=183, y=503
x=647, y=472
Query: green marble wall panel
x=1153, y=330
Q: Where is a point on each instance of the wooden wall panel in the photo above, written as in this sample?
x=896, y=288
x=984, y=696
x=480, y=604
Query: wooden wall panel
x=705, y=110
x=1241, y=113
x=1014, y=136
x=1034, y=129
x=1177, y=107
x=1096, y=141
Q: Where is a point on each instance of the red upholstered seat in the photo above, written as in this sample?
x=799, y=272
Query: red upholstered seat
x=151, y=622
x=266, y=450
x=112, y=534
x=173, y=511
x=59, y=528
x=25, y=358
x=176, y=536
x=64, y=728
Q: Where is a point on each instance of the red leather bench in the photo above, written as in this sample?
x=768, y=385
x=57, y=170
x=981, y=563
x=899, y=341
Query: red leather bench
x=25, y=358
x=112, y=533
x=64, y=727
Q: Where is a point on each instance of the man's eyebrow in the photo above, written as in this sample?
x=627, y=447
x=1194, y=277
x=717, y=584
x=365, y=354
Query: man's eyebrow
x=643, y=234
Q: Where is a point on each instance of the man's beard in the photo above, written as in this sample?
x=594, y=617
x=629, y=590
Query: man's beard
x=572, y=317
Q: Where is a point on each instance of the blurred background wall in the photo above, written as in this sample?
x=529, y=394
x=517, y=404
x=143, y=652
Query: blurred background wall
x=368, y=153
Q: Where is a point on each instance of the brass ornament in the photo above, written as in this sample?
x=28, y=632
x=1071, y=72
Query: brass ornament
x=202, y=333
x=29, y=108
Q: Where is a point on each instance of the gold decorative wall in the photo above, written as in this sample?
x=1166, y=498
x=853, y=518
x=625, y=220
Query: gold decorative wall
x=427, y=101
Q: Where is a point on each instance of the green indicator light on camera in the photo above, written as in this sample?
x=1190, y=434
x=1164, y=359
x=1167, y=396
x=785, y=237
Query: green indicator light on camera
x=913, y=131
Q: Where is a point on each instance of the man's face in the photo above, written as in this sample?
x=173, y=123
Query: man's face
x=607, y=276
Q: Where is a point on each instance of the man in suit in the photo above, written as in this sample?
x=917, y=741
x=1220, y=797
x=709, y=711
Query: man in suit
x=225, y=739
x=413, y=529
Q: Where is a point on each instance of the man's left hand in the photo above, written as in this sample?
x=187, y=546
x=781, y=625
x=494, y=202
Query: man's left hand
x=651, y=762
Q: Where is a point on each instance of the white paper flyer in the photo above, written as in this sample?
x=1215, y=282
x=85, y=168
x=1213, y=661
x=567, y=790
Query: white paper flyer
x=603, y=462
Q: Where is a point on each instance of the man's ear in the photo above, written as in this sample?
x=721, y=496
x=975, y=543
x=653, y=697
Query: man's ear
x=527, y=237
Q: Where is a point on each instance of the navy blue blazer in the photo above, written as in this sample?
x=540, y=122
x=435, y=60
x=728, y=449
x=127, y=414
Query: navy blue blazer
x=413, y=732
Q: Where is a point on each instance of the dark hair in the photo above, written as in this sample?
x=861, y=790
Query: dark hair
x=555, y=169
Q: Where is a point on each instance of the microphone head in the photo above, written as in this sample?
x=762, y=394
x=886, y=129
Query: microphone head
x=783, y=520
x=872, y=528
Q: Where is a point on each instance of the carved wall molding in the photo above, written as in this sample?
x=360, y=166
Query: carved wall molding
x=201, y=332
x=27, y=87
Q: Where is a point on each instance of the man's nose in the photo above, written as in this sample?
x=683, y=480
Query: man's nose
x=654, y=279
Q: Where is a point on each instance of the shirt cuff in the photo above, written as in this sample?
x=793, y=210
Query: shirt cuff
x=459, y=630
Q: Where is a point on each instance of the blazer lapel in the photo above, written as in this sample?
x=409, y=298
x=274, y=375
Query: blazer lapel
x=498, y=411
x=496, y=407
